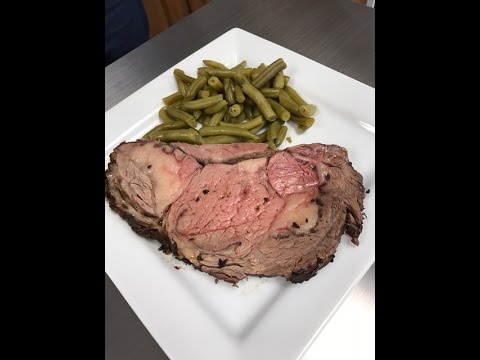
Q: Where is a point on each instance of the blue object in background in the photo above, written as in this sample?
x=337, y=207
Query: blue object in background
x=126, y=27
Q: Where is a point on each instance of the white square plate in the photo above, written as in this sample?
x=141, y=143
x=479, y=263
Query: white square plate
x=189, y=315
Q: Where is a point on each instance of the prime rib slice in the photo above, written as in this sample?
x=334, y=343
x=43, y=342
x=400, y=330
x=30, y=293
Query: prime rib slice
x=240, y=209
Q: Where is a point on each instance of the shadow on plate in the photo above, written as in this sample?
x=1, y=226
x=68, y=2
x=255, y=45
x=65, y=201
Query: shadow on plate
x=237, y=311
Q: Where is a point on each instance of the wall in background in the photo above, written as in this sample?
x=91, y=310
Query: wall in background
x=164, y=13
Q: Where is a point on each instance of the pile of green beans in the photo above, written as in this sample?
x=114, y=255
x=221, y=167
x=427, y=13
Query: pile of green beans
x=229, y=105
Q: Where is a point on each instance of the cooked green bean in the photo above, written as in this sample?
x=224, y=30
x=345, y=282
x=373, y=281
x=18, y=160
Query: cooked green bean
x=255, y=130
x=281, y=112
x=248, y=111
x=182, y=88
x=216, y=108
x=238, y=119
x=232, y=120
x=215, y=64
x=294, y=95
x=255, y=73
x=190, y=136
x=225, y=73
x=239, y=66
x=288, y=103
x=307, y=110
x=184, y=77
x=229, y=91
x=170, y=99
x=222, y=139
x=149, y=133
x=279, y=80
x=301, y=129
x=240, y=78
x=164, y=116
x=247, y=72
x=270, y=92
x=202, y=94
x=212, y=91
x=269, y=73
x=215, y=119
x=215, y=83
x=281, y=136
x=249, y=125
x=271, y=145
x=196, y=86
x=235, y=110
x=227, y=118
x=239, y=96
x=258, y=98
x=205, y=68
x=262, y=137
x=303, y=121
x=202, y=103
x=174, y=125
x=182, y=116
x=233, y=105
x=289, y=139
x=197, y=114
x=226, y=130
x=272, y=132
x=178, y=104
x=202, y=72
x=204, y=119
x=219, y=73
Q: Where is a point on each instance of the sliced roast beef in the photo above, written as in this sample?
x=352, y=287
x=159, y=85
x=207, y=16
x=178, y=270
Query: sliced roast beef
x=239, y=209
x=215, y=154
